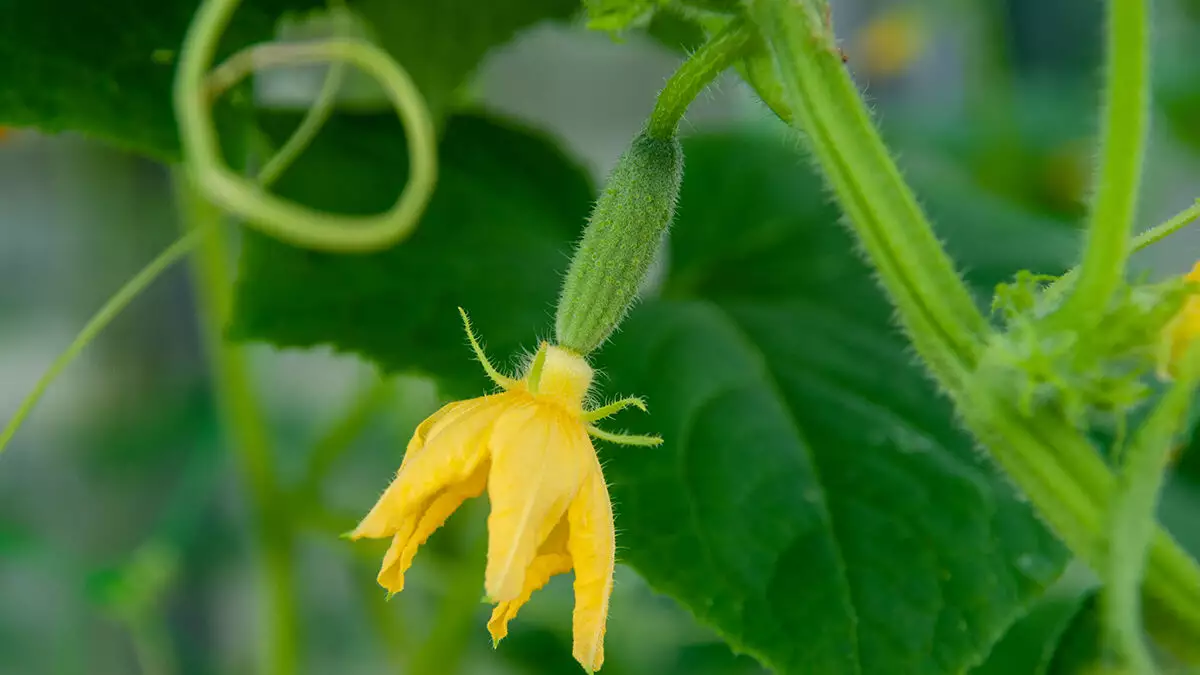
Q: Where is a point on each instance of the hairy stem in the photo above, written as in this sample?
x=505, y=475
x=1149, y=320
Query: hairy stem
x=938, y=310
x=1048, y=458
x=1144, y=240
x=1126, y=117
x=696, y=73
x=1133, y=515
x=1171, y=226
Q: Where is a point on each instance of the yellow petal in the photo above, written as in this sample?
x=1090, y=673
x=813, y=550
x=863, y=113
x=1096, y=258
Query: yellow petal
x=1181, y=331
x=536, y=472
x=592, y=546
x=435, y=423
x=445, y=450
x=405, y=543
x=552, y=558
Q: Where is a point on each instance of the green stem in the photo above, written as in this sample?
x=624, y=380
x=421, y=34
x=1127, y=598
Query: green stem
x=333, y=444
x=1049, y=459
x=696, y=73
x=285, y=220
x=1144, y=240
x=244, y=421
x=151, y=645
x=1133, y=515
x=825, y=105
x=989, y=95
x=442, y=651
x=1162, y=231
x=1126, y=118
x=391, y=631
x=111, y=309
x=314, y=118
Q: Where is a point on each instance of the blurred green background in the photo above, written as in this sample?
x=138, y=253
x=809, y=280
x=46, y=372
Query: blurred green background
x=124, y=540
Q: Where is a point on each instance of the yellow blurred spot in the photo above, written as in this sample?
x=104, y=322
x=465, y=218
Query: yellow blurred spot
x=891, y=42
x=1065, y=173
x=1182, y=331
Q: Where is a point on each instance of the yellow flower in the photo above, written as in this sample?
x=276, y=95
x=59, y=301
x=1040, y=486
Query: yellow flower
x=529, y=447
x=1182, y=331
x=892, y=41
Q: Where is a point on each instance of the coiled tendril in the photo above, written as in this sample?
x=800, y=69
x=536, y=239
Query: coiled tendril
x=197, y=89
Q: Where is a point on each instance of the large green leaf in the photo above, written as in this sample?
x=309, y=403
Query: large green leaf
x=1080, y=648
x=814, y=499
x=440, y=43
x=1030, y=645
x=492, y=241
x=815, y=502
x=106, y=68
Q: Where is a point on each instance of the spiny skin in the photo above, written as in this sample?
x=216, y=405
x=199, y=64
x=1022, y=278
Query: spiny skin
x=622, y=238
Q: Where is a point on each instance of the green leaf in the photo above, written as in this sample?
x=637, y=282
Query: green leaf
x=814, y=500
x=1080, y=651
x=617, y=15
x=1031, y=149
x=492, y=241
x=1030, y=645
x=440, y=43
x=106, y=68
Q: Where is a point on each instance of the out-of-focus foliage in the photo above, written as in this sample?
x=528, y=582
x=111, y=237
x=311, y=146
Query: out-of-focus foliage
x=815, y=507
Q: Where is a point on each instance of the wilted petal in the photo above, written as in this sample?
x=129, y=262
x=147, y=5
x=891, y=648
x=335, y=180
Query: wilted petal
x=406, y=542
x=536, y=472
x=592, y=546
x=445, y=450
x=552, y=558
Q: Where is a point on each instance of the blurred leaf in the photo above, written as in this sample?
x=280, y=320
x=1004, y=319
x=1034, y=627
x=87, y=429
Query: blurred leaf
x=132, y=587
x=158, y=435
x=1037, y=152
x=15, y=537
x=618, y=15
x=1181, y=498
x=440, y=43
x=814, y=500
x=675, y=32
x=106, y=68
x=492, y=241
x=1178, y=88
x=1178, y=508
x=1029, y=646
x=537, y=649
x=714, y=658
x=1081, y=648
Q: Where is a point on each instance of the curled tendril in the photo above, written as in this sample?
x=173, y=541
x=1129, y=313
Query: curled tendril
x=293, y=223
x=303, y=227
